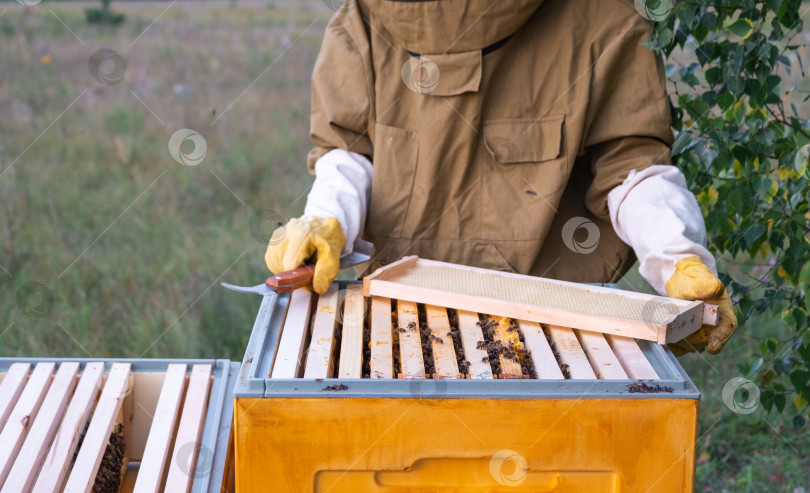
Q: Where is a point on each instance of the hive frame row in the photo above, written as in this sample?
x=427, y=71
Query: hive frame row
x=217, y=411
x=263, y=347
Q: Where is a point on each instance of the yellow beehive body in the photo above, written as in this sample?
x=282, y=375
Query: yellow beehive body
x=459, y=444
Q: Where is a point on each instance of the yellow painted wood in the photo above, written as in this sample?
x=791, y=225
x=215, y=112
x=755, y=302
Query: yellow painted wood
x=394, y=445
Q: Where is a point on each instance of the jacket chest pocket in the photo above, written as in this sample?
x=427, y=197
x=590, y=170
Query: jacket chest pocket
x=394, y=160
x=525, y=170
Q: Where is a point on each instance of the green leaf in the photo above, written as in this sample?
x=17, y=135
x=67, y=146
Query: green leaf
x=736, y=85
x=795, y=317
x=765, y=136
x=708, y=20
x=750, y=169
x=742, y=28
x=798, y=421
x=752, y=234
x=799, y=379
x=687, y=16
x=713, y=75
x=681, y=142
x=773, y=5
x=800, y=161
x=779, y=400
x=664, y=37
x=725, y=100
x=804, y=352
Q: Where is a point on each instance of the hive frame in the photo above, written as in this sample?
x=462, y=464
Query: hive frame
x=639, y=317
x=218, y=416
x=254, y=381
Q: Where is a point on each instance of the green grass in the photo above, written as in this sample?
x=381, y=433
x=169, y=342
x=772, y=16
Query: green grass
x=133, y=245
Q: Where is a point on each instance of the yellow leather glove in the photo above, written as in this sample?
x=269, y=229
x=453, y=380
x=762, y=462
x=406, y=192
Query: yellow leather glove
x=292, y=244
x=692, y=281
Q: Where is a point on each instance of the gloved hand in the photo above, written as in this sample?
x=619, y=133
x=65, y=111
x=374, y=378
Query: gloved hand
x=691, y=281
x=292, y=244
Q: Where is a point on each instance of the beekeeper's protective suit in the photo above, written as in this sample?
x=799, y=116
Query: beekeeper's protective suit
x=522, y=135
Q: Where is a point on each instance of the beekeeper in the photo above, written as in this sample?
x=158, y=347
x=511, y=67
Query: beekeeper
x=527, y=136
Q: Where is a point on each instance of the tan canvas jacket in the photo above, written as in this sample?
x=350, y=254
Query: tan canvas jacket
x=491, y=125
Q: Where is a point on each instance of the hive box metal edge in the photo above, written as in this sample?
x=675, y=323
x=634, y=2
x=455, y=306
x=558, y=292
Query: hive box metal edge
x=452, y=434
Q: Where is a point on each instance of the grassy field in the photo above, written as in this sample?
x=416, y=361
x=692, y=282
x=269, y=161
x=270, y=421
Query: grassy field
x=128, y=246
x=132, y=244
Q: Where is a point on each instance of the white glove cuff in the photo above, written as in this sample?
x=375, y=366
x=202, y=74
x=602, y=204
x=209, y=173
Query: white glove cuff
x=342, y=189
x=654, y=213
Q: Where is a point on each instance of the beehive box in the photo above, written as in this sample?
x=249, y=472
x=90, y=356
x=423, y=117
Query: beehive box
x=115, y=425
x=341, y=393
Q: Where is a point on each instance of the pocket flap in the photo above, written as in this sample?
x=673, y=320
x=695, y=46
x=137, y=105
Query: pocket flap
x=525, y=140
x=447, y=74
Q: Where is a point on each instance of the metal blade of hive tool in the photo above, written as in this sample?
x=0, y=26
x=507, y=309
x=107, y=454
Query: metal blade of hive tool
x=261, y=289
x=361, y=252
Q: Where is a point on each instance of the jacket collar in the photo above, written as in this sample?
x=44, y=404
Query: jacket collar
x=431, y=27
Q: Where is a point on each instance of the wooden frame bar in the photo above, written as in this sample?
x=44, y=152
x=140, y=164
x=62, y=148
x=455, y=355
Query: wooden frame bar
x=632, y=358
x=536, y=299
x=351, y=342
x=570, y=352
x=189, y=432
x=382, y=344
x=150, y=474
x=445, y=363
x=293, y=338
x=410, y=342
x=471, y=334
x=97, y=437
x=509, y=368
x=320, y=355
x=603, y=361
x=56, y=463
x=22, y=416
x=11, y=387
x=29, y=458
x=545, y=364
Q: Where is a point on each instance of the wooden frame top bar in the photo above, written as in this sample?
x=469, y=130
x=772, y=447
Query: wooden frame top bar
x=581, y=306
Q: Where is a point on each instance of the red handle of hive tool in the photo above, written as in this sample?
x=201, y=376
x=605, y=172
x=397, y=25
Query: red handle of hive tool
x=284, y=282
